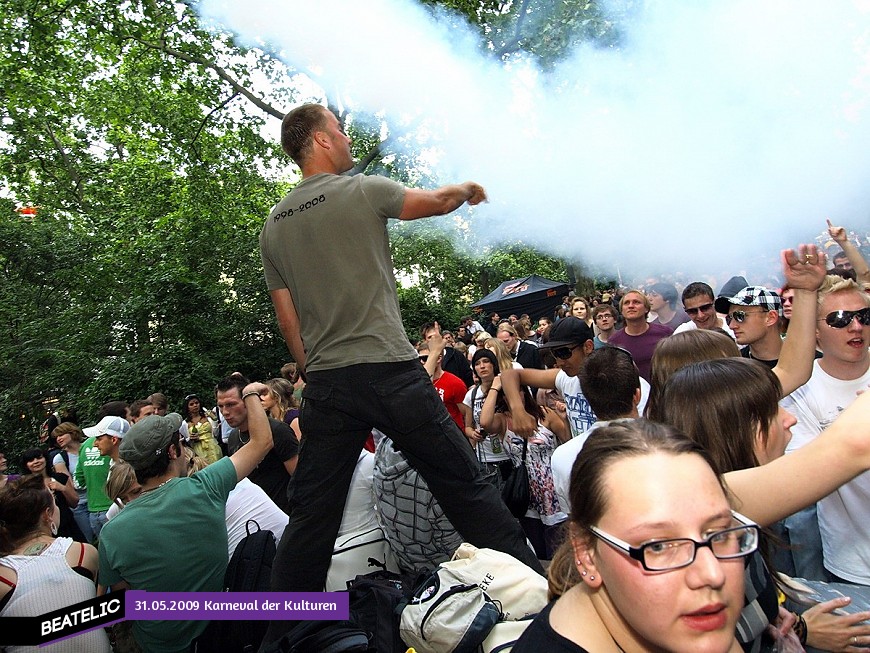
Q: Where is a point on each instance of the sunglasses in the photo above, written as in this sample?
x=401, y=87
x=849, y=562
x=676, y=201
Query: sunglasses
x=739, y=316
x=703, y=308
x=842, y=319
x=563, y=353
x=423, y=359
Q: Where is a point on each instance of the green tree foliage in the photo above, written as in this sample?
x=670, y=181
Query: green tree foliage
x=139, y=135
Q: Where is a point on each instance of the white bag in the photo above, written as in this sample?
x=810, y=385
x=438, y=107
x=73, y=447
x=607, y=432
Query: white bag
x=518, y=590
x=447, y=615
x=353, y=555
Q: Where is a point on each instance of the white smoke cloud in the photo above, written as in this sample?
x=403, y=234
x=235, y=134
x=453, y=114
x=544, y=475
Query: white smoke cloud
x=718, y=133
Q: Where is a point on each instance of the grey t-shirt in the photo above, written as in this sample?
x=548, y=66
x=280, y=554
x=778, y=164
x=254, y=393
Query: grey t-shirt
x=327, y=243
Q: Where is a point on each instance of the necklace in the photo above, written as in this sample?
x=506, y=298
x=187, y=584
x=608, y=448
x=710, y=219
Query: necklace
x=156, y=487
x=242, y=438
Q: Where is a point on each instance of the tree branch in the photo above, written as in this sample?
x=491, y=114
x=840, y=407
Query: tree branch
x=221, y=72
x=219, y=107
x=73, y=175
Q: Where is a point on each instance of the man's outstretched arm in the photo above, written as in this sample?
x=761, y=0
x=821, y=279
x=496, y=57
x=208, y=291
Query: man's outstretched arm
x=441, y=201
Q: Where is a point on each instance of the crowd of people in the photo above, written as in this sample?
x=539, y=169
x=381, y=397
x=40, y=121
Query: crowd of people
x=688, y=450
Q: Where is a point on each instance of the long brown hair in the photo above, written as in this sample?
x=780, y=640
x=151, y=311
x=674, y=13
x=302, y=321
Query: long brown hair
x=722, y=405
x=679, y=350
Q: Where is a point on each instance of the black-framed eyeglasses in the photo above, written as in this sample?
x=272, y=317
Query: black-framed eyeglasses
x=563, y=353
x=665, y=555
x=739, y=316
x=703, y=308
x=424, y=358
x=842, y=319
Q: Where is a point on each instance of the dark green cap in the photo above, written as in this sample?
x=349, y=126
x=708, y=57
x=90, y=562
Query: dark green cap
x=148, y=438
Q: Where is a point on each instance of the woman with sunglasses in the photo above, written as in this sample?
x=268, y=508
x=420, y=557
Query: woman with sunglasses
x=654, y=556
x=767, y=485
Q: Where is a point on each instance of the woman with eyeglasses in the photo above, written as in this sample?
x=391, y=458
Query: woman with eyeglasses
x=654, y=555
x=746, y=432
x=198, y=429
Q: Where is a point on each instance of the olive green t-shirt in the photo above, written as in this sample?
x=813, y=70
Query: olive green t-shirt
x=327, y=243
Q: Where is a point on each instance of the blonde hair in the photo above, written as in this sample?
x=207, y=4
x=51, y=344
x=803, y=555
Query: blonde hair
x=193, y=462
x=121, y=481
x=281, y=391
x=502, y=355
x=834, y=284
x=68, y=428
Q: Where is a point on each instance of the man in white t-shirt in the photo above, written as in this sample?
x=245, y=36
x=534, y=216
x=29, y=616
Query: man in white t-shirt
x=610, y=382
x=699, y=304
x=570, y=342
x=844, y=515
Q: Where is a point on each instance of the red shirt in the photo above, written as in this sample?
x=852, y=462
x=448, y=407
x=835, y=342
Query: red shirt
x=452, y=391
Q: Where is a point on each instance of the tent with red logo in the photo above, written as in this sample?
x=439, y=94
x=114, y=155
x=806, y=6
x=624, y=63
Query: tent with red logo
x=534, y=295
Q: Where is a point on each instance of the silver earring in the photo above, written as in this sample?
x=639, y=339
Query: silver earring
x=592, y=578
x=53, y=530
x=584, y=573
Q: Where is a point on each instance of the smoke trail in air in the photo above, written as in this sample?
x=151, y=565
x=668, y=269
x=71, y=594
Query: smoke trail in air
x=718, y=133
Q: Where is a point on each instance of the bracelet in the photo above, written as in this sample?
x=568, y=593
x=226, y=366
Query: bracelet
x=800, y=629
x=250, y=394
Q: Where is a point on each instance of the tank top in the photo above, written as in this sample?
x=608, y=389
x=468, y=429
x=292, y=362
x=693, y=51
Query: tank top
x=46, y=583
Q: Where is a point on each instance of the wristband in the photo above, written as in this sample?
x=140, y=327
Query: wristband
x=249, y=394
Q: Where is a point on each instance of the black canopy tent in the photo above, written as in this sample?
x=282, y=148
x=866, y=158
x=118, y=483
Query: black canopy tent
x=534, y=295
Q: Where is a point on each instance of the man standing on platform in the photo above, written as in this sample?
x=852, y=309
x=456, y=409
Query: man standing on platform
x=325, y=250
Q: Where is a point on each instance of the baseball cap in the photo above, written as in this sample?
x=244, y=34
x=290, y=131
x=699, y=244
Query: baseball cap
x=568, y=331
x=148, y=439
x=751, y=296
x=109, y=425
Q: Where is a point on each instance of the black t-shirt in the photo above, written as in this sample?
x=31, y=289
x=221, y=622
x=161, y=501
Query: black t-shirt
x=540, y=636
x=68, y=526
x=270, y=474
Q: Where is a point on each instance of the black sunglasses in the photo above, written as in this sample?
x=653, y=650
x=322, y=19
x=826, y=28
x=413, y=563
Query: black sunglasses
x=423, y=359
x=703, y=308
x=739, y=316
x=842, y=319
x=563, y=353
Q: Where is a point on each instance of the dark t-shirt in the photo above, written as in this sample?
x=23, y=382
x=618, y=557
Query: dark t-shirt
x=68, y=526
x=270, y=474
x=744, y=351
x=540, y=636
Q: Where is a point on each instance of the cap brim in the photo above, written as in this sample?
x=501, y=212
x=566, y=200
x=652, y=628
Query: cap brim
x=91, y=432
x=553, y=344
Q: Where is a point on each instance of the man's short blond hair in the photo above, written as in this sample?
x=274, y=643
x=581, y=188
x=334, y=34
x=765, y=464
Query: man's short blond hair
x=836, y=284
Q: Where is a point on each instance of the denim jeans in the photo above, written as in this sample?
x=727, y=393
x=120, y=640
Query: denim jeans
x=83, y=517
x=98, y=520
x=801, y=532
x=339, y=409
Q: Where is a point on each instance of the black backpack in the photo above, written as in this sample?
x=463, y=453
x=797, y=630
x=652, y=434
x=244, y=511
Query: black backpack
x=376, y=601
x=249, y=570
